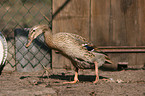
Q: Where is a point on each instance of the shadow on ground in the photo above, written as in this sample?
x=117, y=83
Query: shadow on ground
x=88, y=78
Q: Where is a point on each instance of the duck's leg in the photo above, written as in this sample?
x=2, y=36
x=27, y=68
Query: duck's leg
x=96, y=71
x=75, y=78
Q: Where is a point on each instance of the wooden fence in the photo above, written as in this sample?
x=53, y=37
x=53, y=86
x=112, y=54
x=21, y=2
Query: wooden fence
x=115, y=24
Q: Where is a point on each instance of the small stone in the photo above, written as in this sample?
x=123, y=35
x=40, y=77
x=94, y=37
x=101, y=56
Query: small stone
x=112, y=80
x=119, y=81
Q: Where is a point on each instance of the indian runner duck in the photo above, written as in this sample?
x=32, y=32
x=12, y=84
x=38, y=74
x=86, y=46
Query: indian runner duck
x=82, y=53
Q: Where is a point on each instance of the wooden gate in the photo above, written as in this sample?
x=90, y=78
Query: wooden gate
x=116, y=26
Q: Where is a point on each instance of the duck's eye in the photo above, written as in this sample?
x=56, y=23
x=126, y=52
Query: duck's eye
x=33, y=30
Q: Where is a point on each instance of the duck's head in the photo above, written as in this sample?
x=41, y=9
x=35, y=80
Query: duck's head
x=34, y=32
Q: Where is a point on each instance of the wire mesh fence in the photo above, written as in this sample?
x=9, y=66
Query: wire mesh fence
x=17, y=15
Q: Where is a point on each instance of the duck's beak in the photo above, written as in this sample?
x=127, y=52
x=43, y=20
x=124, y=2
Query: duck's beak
x=29, y=43
x=31, y=37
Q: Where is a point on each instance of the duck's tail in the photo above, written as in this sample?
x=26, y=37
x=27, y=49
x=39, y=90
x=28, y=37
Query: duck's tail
x=107, y=59
x=93, y=48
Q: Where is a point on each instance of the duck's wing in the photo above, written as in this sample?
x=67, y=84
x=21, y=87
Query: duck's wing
x=90, y=47
x=87, y=44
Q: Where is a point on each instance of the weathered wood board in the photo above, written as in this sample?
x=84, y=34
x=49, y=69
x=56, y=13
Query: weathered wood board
x=105, y=23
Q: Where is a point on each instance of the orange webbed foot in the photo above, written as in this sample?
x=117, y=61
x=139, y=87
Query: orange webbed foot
x=72, y=82
x=95, y=81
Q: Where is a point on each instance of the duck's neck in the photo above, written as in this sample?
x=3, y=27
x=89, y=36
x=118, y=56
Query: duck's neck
x=49, y=39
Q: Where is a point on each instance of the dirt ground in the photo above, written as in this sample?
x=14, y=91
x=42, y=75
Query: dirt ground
x=121, y=83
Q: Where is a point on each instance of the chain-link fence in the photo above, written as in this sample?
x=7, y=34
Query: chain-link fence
x=15, y=16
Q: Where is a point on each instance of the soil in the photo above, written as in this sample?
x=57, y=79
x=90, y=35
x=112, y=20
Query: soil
x=119, y=83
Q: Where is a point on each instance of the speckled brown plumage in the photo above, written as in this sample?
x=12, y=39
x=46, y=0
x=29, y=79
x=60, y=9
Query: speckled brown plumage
x=73, y=46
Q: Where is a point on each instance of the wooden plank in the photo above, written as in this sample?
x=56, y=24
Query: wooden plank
x=141, y=33
x=140, y=61
x=130, y=12
x=124, y=18
x=118, y=24
x=124, y=28
x=100, y=15
x=141, y=23
x=72, y=17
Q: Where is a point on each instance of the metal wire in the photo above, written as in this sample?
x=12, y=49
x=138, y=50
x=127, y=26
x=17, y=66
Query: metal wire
x=20, y=14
